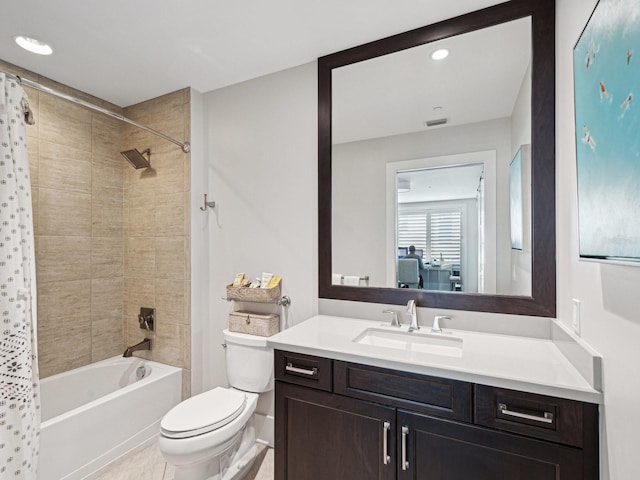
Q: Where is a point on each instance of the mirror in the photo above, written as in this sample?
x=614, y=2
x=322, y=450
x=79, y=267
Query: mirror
x=382, y=141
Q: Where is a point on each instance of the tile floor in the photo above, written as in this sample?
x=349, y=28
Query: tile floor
x=148, y=464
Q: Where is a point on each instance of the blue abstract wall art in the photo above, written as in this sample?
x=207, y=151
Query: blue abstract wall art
x=606, y=61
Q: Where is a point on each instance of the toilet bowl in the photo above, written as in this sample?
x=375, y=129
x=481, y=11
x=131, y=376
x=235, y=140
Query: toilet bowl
x=211, y=436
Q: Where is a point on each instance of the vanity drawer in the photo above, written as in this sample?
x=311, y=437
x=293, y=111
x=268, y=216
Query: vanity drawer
x=302, y=369
x=547, y=418
x=420, y=393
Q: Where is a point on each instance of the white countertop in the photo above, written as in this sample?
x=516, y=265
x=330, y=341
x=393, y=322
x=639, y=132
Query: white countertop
x=520, y=363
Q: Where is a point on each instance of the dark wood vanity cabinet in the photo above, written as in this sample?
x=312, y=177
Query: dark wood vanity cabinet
x=339, y=420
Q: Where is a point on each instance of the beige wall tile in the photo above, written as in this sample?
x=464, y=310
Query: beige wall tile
x=107, y=213
x=187, y=303
x=32, y=150
x=186, y=383
x=172, y=344
x=63, y=258
x=107, y=257
x=139, y=215
x=107, y=338
x=107, y=298
x=169, y=214
x=170, y=257
x=107, y=172
x=140, y=257
x=65, y=123
x=35, y=195
x=106, y=136
x=170, y=169
x=64, y=168
x=141, y=181
x=64, y=344
x=63, y=300
x=187, y=257
x=170, y=301
x=138, y=292
x=64, y=213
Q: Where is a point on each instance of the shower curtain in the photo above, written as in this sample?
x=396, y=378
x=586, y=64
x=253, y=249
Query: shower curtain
x=19, y=384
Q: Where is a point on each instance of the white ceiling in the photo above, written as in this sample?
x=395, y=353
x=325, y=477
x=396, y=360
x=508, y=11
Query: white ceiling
x=397, y=93
x=127, y=51
x=441, y=183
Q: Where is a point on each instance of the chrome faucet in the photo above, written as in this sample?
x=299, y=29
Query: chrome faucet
x=411, y=310
x=143, y=345
x=436, y=323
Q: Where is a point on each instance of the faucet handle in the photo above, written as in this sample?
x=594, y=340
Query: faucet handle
x=394, y=320
x=436, y=323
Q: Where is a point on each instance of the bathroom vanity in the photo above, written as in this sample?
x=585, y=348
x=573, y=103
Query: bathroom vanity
x=357, y=410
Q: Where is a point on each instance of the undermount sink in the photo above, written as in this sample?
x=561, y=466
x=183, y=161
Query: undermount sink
x=434, y=344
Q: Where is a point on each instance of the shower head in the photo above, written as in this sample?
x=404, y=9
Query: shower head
x=136, y=159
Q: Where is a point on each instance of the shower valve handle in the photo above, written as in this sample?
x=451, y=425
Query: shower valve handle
x=146, y=318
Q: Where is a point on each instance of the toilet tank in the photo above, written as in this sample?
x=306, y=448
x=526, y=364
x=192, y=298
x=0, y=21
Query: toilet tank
x=249, y=362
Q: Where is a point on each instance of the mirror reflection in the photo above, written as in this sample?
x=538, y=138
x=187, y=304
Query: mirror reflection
x=421, y=156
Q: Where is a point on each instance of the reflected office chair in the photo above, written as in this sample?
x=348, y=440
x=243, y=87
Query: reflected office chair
x=408, y=274
x=455, y=279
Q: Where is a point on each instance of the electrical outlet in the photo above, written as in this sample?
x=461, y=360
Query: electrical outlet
x=575, y=324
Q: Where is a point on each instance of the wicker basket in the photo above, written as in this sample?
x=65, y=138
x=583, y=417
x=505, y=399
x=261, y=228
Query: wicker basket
x=263, y=325
x=266, y=295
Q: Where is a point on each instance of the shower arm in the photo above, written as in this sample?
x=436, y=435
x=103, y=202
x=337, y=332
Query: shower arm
x=186, y=147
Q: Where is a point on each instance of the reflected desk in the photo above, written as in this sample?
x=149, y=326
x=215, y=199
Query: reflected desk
x=436, y=278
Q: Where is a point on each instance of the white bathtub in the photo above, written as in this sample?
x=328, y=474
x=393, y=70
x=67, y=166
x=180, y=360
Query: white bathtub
x=94, y=414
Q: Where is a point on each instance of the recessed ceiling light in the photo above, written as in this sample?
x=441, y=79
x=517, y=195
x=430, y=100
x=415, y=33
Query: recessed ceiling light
x=440, y=54
x=33, y=45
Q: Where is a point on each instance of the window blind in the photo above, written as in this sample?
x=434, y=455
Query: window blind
x=437, y=232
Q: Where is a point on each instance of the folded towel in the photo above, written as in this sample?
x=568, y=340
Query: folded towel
x=336, y=279
x=351, y=280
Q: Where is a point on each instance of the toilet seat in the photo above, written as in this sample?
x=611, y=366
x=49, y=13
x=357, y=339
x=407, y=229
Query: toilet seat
x=203, y=413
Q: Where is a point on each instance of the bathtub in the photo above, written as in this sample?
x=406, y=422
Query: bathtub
x=94, y=414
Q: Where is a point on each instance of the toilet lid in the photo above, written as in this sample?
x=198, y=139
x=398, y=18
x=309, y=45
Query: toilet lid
x=203, y=413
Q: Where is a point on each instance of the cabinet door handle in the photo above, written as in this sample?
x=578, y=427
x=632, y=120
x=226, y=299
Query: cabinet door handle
x=546, y=418
x=386, y=428
x=405, y=463
x=304, y=371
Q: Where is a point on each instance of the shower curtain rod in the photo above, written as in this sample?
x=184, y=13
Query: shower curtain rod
x=186, y=147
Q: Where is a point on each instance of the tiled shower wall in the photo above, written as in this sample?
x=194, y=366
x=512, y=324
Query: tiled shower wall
x=157, y=231
x=109, y=239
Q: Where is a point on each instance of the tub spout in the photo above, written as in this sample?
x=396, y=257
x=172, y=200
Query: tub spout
x=143, y=345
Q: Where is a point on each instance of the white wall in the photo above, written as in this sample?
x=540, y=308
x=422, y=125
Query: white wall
x=609, y=294
x=262, y=151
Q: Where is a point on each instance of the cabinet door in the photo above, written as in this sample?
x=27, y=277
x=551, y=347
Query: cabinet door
x=321, y=436
x=438, y=449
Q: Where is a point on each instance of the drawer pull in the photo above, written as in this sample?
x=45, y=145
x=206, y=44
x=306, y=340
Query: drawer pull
x=546, y=418
x=405, y=463
x=303, y=371
x=386, y=428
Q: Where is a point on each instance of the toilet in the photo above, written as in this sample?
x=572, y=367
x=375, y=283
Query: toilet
x=211, y=436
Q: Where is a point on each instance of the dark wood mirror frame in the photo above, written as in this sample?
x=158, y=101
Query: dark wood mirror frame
x=543, y=255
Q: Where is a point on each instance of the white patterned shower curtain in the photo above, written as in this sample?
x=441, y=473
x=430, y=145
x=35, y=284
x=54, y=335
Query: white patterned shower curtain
x=19, y=384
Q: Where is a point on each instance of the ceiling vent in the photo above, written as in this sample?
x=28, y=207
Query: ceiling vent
x=437, y=121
